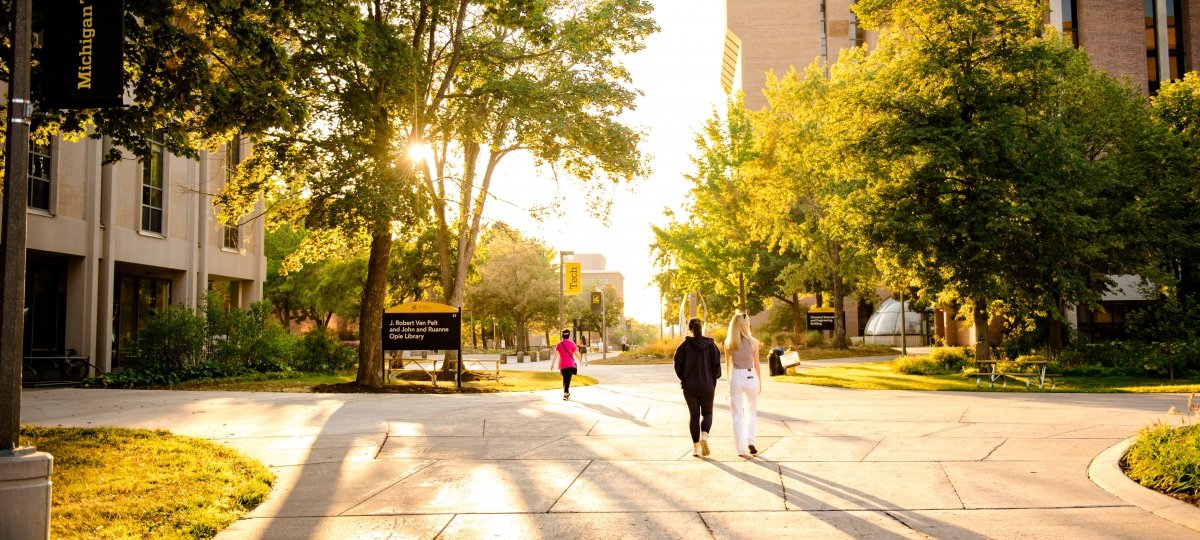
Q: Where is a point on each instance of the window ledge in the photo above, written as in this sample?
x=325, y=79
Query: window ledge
x=151, y=234
x=39, y=212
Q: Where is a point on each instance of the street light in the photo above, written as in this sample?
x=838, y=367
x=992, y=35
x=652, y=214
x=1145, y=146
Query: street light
x=562, y=287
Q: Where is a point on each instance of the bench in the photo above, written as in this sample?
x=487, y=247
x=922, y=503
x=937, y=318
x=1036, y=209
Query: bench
x=389, y=366
x=987, y=369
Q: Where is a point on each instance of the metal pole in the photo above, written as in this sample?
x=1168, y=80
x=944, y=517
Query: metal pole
x=16, y=189
x=562, y=295
x=603, y=329
x=903, y=327
x=458, y=360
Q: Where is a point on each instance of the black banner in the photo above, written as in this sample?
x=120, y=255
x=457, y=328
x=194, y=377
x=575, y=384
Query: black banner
x=597, y=302
x=82, y=54
x=421, y=331
x=820, y=320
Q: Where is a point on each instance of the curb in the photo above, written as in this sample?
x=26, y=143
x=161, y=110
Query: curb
x=1105, y=471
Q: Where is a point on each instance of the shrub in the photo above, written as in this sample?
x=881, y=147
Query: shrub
x=1167, y=460
x=172, y=340
x=663, y=348
x=251, y=339
x=319, y=353
x=941, y=361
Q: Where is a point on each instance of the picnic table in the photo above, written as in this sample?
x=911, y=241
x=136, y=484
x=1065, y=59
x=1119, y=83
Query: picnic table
x=987, y=369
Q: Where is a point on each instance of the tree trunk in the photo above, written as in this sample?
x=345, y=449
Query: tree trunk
x=839, y=300
x=797, y=314
x=1055, y=329
x=742, y=291
x=982, y=350
x=370, y=328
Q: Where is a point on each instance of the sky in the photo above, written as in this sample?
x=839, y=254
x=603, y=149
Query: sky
x=679, y=75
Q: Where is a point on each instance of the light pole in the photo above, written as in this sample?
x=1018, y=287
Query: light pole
x=562, y=288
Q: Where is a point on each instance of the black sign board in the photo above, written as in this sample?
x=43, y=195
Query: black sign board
x=82, y=54
x=597, y=302
x=421, y=331
x=820, y=320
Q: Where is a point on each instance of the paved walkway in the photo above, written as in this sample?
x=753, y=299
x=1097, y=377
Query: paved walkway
x=615, y=461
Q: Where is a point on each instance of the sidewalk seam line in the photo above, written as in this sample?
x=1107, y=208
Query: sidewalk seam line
x=942, y=466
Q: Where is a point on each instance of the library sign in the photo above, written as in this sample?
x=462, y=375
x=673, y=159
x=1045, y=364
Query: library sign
x=422, y=326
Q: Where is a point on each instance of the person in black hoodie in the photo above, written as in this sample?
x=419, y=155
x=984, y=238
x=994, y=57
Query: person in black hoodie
x=698, y=365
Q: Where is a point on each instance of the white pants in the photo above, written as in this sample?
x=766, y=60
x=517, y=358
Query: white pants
x=743, y=405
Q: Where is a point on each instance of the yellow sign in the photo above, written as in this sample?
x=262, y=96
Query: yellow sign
x=573, y=278
x=815, y=309
x=422, y=307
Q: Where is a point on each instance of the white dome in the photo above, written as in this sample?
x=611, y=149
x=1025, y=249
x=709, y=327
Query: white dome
x=886, y=320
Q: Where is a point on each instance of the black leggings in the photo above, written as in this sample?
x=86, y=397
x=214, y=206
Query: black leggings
x=700, y=412
x=567, y=373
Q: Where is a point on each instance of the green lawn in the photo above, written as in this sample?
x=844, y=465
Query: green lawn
x=136, y=483
x=881, y=376
x=411, y=382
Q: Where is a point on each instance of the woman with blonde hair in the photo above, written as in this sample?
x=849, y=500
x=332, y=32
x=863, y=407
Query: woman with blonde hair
x=745, y=376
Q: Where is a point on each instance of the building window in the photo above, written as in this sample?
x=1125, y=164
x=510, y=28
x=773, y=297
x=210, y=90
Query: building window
x=231, y=237
x=233, y=157
x=1174, y=20
x=1070, y=22
x=152, y=187
x=39, y=176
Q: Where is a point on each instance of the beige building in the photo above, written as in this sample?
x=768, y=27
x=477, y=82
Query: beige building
x=108, y=245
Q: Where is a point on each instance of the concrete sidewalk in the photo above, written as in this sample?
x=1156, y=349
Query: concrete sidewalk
x=615, y=461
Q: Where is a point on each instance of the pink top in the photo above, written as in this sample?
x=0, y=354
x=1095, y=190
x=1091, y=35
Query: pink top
x=566, y=353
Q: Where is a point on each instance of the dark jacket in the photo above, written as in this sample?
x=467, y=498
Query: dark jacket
x=698, y=364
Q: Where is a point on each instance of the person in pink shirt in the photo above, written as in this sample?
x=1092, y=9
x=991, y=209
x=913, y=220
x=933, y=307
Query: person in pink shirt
x=567, y=352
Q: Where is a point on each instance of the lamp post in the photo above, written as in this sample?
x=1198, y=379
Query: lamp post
x=562, y=287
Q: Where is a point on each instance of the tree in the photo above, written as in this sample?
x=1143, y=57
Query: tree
x=986, y=153
x=712, y=251
x=547, y=83
x=1171, y=208
x=516, y=279
x=799, y=176
x=475, y=80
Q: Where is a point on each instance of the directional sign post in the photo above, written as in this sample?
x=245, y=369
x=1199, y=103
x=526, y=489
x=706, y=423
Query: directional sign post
x=424, y=326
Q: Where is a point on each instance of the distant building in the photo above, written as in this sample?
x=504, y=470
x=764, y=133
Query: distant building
x=596, y=276
x=109, y=245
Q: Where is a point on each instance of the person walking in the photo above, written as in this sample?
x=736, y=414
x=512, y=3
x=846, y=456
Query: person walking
x=745, y=382
x=564, y=360
x=698, y=366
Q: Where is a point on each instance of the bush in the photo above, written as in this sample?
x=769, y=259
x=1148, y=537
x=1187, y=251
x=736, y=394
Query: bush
x=663, y=348
x=1167, y=460
x=319, y=353
x=248, y=338
x=172, y=340
x=941, y=361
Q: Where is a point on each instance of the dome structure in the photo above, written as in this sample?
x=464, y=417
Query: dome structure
x=884, y=325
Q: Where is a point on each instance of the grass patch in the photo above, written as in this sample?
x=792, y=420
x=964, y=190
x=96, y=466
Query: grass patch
x=1167, y=460
x=657, y=354
x=406, y=382
x=134, y=483
x=884, y=376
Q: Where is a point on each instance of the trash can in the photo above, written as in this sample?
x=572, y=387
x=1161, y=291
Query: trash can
x=776, y=365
